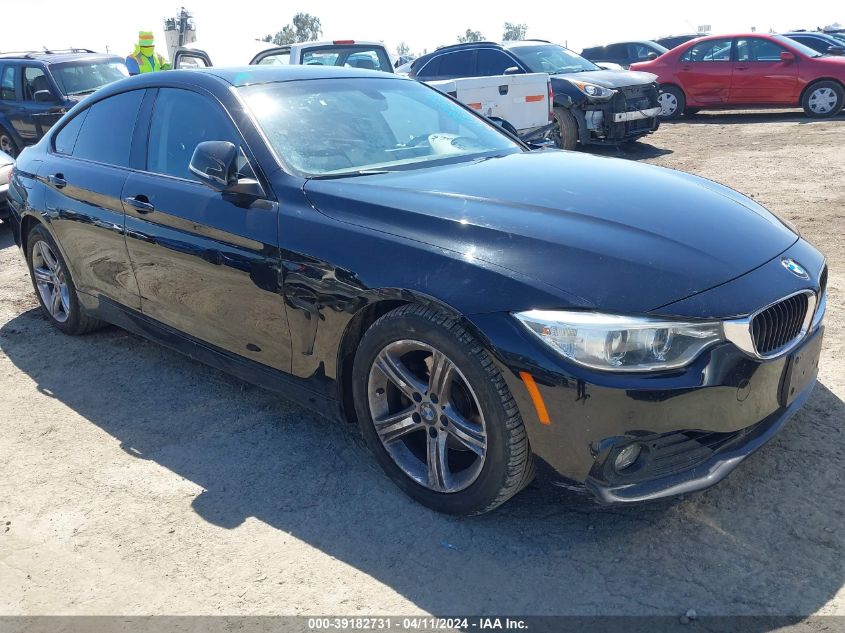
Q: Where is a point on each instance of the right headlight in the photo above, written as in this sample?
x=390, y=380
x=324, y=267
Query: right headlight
x=619, y=343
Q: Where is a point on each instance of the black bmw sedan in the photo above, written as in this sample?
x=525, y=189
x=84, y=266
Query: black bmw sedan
x=376, y=251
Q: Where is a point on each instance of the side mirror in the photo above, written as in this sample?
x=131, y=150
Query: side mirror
x=215, y=163
x=836, y=50
x=513, y=70
x=651, y=56
x=45, y=96
x=787, y=57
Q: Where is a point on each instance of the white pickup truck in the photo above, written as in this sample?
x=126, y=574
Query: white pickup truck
x=521, y=104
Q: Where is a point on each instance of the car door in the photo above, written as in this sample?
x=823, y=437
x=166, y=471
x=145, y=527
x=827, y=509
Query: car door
x=704, y=71
x=83, y=174
x=207, y=263
x=760, y=76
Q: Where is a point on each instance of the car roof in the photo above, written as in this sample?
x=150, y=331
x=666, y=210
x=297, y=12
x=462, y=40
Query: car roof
x=56, y=58
x=237, y=76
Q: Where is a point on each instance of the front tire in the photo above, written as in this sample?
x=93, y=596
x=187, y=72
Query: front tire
x=567, y=129
x=54, y=286
x=672, y=101
x=823, y=99
x=437, y=413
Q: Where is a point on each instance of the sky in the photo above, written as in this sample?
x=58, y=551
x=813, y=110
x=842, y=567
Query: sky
x=98, y=24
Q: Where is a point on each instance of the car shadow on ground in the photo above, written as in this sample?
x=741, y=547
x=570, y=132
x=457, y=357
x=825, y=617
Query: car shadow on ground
x=637, y=150
x=768, y=540
x=745, y=117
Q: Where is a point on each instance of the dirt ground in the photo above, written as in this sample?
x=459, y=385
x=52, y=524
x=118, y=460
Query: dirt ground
x=136, y=481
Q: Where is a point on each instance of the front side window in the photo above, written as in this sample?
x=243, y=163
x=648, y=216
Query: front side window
x=275, y=59
x=552, y=59
x=34, y=80
x=366, y=57
x=191, y=61
x=332, y=127
x=80, y=78
x=7, y=83
x=106, y=133
x=755, y=49
x=182, y=120
x=617, y=51
x=709, y=51
x=491, y=62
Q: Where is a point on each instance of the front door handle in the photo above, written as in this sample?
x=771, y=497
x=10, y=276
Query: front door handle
x=140, y=203
x=57, y=180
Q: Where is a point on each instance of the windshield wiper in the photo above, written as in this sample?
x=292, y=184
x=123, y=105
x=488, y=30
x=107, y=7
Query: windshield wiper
x=352, y=174
x=83, y=92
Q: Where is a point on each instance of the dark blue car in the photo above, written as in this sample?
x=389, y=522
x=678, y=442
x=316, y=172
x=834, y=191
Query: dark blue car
x=37, y=88
x=378, y=252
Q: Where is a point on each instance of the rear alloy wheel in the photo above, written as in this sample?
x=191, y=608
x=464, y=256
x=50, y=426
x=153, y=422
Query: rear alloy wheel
x=823, y=99
x=7, y=145
x=54, y=286
x=437, y=413
x=672, y=102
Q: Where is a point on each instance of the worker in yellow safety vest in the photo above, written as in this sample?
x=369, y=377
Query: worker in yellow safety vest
x=144, y=58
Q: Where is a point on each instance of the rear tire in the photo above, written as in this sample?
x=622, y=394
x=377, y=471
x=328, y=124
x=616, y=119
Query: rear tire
x=7, y=143
x=823, y=99
x=567, y=129
x=437, y=414
x=54, y=286
x=673, y=102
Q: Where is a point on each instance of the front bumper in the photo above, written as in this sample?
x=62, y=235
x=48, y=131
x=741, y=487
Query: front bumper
x=694, y=425
x=708, y=472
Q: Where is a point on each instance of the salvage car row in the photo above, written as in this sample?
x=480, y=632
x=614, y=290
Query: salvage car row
x=560, y=95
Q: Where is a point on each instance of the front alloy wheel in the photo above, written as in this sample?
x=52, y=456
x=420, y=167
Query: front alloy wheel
x=427, y=416
x=437, y=413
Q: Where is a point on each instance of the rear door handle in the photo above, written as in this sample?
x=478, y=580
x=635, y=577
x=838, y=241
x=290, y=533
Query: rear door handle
x=57, y=180
x=140, y=203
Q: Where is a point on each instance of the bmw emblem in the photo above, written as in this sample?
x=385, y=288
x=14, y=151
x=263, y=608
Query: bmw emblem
x=794, y=267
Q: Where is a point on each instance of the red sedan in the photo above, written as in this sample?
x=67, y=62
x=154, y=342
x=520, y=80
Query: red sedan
x=752, y=70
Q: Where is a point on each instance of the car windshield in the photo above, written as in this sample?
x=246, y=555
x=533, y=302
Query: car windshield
x=552, y=59
x=81, y=78
x=349, y=126
x=798, y=46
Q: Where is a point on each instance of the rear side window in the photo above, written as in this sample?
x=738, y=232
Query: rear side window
x=66, y=138
x=493, y=62
x=431, y=70
x=7, y=83
x=457, y=65
x=182, y=120
x=106, y=133
x=709, y=51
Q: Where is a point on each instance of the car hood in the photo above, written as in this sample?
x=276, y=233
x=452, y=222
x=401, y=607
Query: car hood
x=622, y=236
x=609, y=78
